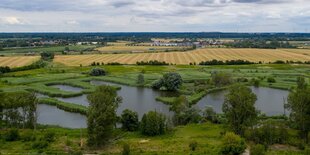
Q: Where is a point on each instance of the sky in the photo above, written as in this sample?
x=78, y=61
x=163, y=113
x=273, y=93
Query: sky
x=155, y=16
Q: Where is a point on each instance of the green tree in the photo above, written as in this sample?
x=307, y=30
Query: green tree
x=298, y=102
x=101, y=117
x=170, y=81
x=130, y=120
x=221, y=79
x=239, y=108
x=47, y=55
x=153, y=123
x=140, y=80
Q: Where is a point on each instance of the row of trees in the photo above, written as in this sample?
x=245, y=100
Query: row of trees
x=152, y=62
x=227, y=62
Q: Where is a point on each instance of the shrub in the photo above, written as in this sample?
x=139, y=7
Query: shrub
x=193, y=145
x=140, y=80
x=232, y=144
x=12, y=135
x=157, y=84
x=153, y=123
x=258, y=149
x=28, y=136
x=40, y=144
x=271, y=80
x=221, y=79
x=126, y=149
x=130, y=120
x=49, y=136
x=97, y=72
x=186, y=116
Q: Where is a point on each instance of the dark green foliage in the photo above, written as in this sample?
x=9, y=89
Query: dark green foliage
x=47, y=55
x=170, y=81
x=258, y=150
x=12, y=135
x=255, y=82
x=101, y=118
x=49, y=136
x=4, y=69
x=271, y=80
x=279, y=62
x=129, y=120
x=268, y=133
x=193, y=145
x=221, y=79
x=232, y=144
x=18, y=109
x=98, y=72
x=28, y=136
x=260, y=43
x=298, y=102
x=239, y=108
x=227, y=62
x=157, y=84
x=153, y=123
x=39, y=144
x=152, y=62
x=126, y=149
x=210, y=115
x=140, y=80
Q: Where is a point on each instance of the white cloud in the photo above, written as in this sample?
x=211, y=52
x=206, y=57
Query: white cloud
x=154, y=15
x=12, y=20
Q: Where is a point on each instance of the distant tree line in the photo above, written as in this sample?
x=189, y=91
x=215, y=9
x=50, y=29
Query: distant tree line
x=227, y=62
x=259, y=43
x=152, y=62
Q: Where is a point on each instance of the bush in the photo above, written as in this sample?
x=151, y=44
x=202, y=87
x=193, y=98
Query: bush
x=140, y=80
x=126, y=149
x=40, y=144
x=130, y=120
x=157, y=84
x=271, y=80
x=28, y=136
x=258, y=149
x=193, y=145
x=12, y=135
x=221, y=79
x=97, y=72
x=232, y=144
x=187, y=115
x=49, y=136
x=153, y=123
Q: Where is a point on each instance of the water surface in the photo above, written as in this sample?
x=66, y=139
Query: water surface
x=67, y=88
x=269, y=101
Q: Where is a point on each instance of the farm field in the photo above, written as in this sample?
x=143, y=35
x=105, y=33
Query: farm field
x=122, y=48
x=254, y=55
x=46, y=49
x=18, y=61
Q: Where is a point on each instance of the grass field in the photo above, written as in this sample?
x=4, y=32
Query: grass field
x=18, y=61
x=254, y=55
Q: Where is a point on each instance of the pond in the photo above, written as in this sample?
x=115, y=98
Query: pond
x=138, y=99
x=269, y=101
x=67, y=88
x=51, y=115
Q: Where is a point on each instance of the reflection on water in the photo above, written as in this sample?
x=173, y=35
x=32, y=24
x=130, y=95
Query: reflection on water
x=269, y=101
x=51, y=115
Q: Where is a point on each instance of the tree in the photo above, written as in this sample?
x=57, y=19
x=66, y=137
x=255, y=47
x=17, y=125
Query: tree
x=101, y=117
x=298, y=102
x=98, y=72
x=47, y=55
x=232, y=144
x=170, y=81
x=153, y=123
x=239, y=108
x=140, y=80
x=221, y=79
x=129, y=120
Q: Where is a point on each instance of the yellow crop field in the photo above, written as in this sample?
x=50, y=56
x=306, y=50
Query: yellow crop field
x=18, y=61
x=254, y=55
x=127, y=49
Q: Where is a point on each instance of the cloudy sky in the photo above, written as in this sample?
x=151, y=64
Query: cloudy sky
x=154, y=15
